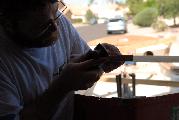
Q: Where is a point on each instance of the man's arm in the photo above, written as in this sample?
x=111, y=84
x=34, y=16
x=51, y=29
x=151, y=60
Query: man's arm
x=74, y=76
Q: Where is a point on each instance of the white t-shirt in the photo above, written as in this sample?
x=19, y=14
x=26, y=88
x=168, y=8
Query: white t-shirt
x=28, y=73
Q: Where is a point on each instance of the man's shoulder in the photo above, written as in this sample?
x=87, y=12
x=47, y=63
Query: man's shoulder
x=63, y=20
x=65, y=24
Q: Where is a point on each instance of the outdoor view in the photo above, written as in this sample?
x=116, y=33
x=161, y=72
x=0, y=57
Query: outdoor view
x=136, y=27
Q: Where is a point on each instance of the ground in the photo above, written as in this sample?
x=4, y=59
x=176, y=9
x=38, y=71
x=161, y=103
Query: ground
x=127, y=43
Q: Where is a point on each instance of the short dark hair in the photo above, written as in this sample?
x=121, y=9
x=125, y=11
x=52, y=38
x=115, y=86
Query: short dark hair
x=14, y=6
x=148, y=53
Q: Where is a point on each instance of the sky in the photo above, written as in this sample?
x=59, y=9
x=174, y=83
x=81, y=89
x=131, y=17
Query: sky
x=81, y=2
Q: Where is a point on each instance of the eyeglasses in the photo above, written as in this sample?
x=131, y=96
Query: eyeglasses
x=59, y=6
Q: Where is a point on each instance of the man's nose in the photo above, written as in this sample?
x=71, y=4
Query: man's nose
x=52, y=25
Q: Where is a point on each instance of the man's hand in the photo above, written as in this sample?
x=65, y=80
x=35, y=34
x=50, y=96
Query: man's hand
x=81, y=75
x=108, y=50
x=112, y=51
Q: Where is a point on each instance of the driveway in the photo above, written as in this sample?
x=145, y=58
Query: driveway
x=91, y=32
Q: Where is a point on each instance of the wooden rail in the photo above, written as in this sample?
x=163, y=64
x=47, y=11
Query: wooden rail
x=172, y=83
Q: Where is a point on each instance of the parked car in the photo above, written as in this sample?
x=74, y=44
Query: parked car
x=116, y=25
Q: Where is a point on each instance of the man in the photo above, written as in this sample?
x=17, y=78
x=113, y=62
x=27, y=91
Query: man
x=36, y=41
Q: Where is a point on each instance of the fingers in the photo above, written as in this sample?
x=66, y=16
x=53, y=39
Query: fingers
x=91, y=64
x=81, y=75
x=91, y=55
x=112, y=51
x=76, y=58
x=94, y=75
x=90, y=78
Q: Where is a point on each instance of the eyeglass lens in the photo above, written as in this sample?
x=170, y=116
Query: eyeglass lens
x=61, y=7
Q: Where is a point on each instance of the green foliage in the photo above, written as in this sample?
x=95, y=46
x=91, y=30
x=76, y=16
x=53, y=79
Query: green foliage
x=135, y=6
x=150, y=3
x=168, y=8
x=90, y=2
x=159, y=26
x=76, y=20
x=146, y=17
x=89, y=15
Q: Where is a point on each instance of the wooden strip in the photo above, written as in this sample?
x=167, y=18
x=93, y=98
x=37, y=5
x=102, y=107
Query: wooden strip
x=145, y=58
x=147, y=82
x=156, y=58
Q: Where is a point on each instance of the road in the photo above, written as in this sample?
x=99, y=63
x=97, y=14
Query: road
x=92, y=32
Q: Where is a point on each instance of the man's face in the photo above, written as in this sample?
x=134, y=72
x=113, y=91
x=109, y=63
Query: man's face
x=36, y=28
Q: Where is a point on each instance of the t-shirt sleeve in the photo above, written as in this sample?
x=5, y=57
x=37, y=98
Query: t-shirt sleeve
x=9, y=98
x=78, y=45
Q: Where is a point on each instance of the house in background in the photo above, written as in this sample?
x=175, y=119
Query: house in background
x=68, y=14
x=75, y=12
x=78, y=12
x=103, y=9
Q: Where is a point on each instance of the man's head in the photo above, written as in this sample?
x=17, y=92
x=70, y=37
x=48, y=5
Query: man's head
x=30, y=23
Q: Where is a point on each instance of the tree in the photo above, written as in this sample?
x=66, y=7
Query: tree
x=90, y=2
x=90, y=17
x=136, y=6
x=150, y=3
x=169, y=9
x=146, y=17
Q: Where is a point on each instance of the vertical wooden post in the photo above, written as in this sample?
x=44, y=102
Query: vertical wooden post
x=133, y=84
x=119, y=85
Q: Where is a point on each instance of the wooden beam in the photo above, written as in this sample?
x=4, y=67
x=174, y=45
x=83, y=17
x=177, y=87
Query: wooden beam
x=146, y=82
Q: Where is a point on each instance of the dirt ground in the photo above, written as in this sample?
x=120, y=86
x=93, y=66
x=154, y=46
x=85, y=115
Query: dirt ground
x=127, y=43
